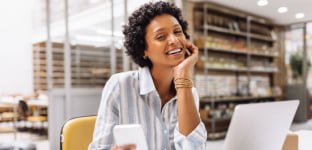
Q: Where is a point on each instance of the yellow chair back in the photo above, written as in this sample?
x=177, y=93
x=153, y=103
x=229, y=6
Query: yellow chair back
x=77, y=133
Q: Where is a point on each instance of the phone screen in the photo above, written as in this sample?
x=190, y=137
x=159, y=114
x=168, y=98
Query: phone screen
x=130, y=134
x=188, y=53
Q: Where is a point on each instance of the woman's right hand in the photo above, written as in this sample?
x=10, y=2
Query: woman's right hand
x=126, y=147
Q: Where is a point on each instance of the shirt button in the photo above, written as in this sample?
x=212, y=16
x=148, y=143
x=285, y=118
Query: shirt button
x=165, y=131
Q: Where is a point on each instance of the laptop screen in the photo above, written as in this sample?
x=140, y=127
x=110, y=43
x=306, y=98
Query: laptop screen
x=260, y=126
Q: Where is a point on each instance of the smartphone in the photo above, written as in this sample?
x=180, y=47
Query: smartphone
x=130, y=134
x=188, y=53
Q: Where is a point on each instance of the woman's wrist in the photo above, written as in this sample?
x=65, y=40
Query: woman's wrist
x=182, y=74
x=183, y=83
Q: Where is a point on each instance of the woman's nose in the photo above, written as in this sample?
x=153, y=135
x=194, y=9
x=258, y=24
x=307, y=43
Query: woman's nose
x=172, y=39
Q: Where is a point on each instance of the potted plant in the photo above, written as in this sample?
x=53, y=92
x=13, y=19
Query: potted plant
x=296, y=62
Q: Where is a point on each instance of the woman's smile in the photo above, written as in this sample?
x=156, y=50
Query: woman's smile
x=175, y=51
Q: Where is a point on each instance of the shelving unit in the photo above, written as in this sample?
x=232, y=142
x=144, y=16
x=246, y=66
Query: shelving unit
x=90, y=66
x=238, y=54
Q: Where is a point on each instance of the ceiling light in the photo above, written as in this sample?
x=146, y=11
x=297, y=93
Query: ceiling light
x=299, y=15
x=282, y=9
x=262, y=2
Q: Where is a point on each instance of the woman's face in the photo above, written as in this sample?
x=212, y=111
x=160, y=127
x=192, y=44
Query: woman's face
x=165, y=41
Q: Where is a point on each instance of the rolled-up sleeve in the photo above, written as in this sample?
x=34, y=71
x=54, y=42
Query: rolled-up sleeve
x=196, y=140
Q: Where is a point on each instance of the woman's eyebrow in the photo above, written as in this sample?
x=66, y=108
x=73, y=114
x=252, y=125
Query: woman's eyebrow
x=158, y=30
x=176, y=25
x=161, y=29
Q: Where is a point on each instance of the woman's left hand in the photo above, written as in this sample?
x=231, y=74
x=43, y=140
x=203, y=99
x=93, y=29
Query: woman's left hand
x=186, y=67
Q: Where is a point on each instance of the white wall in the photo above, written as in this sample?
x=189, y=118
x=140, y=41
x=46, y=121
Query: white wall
x=15, y=47
x=86, y=102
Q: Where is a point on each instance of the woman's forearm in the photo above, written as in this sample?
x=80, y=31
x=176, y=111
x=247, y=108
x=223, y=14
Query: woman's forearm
x=187, y=113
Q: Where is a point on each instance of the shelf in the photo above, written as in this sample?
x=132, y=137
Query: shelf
x=261, y=37
x=224, y=30
x=264, y=55
x=263, y=71
x=219, y=69
x=235, y=51
x=217, y=119
x=238, y=33
x=216, y=135
x=234, y=98
x=226, y=69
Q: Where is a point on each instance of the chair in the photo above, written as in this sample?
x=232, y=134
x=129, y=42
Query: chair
x=76, y=133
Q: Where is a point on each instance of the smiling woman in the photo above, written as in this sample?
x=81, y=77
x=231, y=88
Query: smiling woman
x=160, y=95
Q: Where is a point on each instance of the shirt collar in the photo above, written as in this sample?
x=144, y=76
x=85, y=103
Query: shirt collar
x=146, y=81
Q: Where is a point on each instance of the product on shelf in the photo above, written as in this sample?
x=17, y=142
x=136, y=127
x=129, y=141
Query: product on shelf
x=215, y=86
x=260, y=86
x=221, y=63
x=243, y=85
x=222, y=42
x=263, y=66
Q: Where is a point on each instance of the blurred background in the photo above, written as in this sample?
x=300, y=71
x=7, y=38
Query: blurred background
x=56, y=56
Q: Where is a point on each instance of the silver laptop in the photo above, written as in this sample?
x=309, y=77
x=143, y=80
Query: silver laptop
x=260, y=126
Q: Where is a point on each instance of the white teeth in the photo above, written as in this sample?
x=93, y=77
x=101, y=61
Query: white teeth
x=174, y=51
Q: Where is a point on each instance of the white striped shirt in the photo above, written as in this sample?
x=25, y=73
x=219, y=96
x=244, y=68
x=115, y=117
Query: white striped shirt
x=131, y=97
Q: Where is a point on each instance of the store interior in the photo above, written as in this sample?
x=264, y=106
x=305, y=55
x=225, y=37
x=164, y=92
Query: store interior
x=57, y=55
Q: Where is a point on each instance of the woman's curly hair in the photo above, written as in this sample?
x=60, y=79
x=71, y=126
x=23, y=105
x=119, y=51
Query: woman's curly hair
x=135, y=30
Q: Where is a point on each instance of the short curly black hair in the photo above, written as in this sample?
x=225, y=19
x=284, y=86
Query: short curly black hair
x=135, y=30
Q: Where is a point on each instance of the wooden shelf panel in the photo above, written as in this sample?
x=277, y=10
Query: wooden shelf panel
x=237, y=33
x=235, y=51
x=77, y=80
x=264, y=55
x=263, y=71
x=73, y=48
x=219, y=69
x=223, y=30
x=221, y=50
x=221, y=119
x=90, y=66
x=216, y=135
x=82, y=77
x=225, y=69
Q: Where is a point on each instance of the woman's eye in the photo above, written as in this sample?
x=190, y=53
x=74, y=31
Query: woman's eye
x=178, y=31
x=161, y=37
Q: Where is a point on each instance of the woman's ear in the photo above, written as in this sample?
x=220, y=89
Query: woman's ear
x=145, y=55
